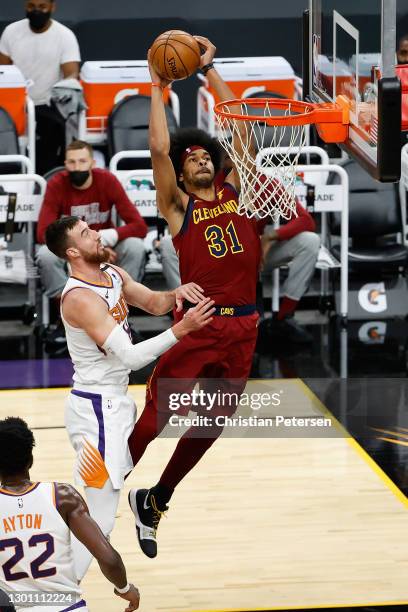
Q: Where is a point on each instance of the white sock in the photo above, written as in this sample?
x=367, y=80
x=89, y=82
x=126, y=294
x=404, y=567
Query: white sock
x=102, y=504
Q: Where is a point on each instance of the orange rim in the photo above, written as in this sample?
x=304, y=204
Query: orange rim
x=305, y=112
x=332, y=118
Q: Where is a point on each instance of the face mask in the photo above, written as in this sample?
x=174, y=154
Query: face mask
x=79, y=177
x=38, y=19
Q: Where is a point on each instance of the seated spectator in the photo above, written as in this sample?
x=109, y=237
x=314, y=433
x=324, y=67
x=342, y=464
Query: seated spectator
x=169, y=261
x=402, y=51
x=45, y=51
x=90, y=193
x=297, y=245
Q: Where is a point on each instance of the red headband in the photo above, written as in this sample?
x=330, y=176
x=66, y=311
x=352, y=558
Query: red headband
x=188, y=152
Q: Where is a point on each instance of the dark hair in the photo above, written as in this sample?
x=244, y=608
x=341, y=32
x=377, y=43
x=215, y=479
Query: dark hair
x=77, y=145
x=402, y=40
x=188, y=137
x=16, y=446
x=56, y=235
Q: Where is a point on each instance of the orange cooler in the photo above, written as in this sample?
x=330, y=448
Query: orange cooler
x=104, y=81
x=13, y=93
x=244, y=73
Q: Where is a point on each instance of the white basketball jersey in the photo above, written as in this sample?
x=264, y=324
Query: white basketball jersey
x=92, y=366
x=35, y=543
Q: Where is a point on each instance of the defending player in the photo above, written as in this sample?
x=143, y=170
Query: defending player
x=36, y=521
x=220, y=250
x=99, y=415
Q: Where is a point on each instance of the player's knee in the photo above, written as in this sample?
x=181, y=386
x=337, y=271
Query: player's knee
x=133, y=248
x=132, y=256
x=46, y=259
x=310, y=242
x=167, y=248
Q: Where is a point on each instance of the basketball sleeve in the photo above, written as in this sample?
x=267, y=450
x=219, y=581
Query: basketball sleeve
x=137, y=356
x=69, y=47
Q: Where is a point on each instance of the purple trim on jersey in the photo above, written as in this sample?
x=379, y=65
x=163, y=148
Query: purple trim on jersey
x=10, y=494
x=96, y=400
x=80, y=604
x=93, y=284
x=114, y=270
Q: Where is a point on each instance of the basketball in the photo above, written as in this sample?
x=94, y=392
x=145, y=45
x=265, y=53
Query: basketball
x=175, y=55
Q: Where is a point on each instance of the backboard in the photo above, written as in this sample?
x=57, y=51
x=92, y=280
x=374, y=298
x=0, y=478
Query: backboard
x=354, y=56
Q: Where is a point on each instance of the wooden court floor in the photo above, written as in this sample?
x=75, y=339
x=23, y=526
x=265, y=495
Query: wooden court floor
x=260, y=524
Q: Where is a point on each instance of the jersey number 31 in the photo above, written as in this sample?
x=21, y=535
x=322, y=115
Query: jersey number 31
x=217, y=243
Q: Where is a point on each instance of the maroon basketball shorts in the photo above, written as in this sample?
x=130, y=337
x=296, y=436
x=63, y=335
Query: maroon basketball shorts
x=223, y=350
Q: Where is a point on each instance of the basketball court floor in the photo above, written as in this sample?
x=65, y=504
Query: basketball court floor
x=274, y=523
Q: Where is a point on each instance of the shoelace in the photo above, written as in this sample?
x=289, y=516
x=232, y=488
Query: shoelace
x=157, y=514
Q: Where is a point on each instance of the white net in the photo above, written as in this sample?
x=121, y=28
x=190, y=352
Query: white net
x=265, y=156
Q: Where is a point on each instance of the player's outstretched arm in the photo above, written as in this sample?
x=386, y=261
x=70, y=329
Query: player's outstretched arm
x=158, y=302
x=74, y=511
x=224, y=92
x=84, y=309
x=171, y=201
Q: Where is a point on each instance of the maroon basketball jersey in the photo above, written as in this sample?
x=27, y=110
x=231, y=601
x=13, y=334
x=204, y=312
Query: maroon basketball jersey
x=219, y=249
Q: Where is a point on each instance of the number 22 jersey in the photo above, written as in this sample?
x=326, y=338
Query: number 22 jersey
x=35, y=546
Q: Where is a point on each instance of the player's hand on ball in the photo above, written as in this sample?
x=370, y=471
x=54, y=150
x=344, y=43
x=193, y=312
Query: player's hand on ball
x=132, y=596
x=191, y=292
x=154, y=76
x=209, y=50
x=198, y=317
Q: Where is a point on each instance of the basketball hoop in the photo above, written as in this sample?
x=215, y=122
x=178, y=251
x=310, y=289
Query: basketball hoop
x=249, y=126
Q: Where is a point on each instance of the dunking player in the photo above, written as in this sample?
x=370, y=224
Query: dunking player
x=36, y=521
x=220, y=250
x=99, y=415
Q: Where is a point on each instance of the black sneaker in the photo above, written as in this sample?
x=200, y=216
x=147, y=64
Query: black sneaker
x=287, y=329
x=147, y=515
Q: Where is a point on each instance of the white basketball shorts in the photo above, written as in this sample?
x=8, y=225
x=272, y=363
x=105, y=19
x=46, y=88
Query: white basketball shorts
x=99, y=427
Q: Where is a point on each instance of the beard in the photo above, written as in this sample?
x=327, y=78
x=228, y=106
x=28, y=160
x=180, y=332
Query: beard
x=98, y=257
x=203, y=180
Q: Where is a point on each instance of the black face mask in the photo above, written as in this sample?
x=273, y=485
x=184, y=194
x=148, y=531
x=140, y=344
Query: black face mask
x=38, y=20
x=79, y=177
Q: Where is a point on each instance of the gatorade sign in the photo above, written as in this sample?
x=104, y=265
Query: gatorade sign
x=372, y=297
x=372, y=332
x=328, y=198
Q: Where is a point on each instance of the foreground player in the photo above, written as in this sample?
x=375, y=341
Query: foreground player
x=220, y=250
x=36, y=521
x=99, y=415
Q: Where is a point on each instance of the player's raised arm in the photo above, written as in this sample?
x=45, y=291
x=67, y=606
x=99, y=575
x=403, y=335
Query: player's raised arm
x=224, y=92
x=74, y=511
x=170, y=200
x=84, y=309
